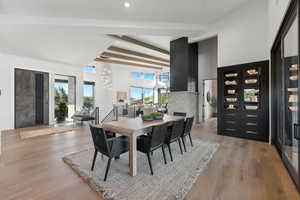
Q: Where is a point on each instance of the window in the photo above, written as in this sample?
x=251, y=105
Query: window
x=88, y=95
x=162, y=96
x=139, y=95
x=89, y=69
x=136, y=95
x=148, y=96
x=149, y=76
x=61, y=85
x=164, y=77
x=136, y=74
x=61, y=100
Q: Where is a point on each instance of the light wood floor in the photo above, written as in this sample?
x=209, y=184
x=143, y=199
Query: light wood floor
x=240, y=170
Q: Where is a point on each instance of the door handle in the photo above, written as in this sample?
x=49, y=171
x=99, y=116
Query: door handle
x=296, y=131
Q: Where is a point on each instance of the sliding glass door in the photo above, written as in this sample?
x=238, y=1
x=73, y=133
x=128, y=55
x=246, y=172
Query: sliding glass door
x=291, y=104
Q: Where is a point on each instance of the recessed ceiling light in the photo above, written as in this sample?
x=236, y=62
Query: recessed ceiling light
x=126, y=4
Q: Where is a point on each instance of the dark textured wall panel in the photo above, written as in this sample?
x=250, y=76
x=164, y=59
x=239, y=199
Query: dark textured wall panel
x=29, y=96
x=184, y=65
x=179, y=57
x=24, y=98
x=46, y=98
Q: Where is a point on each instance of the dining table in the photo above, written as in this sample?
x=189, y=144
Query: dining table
x=133, y=128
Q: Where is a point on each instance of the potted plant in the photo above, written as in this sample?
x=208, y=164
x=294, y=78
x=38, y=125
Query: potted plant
x=147, y=118
x=157, y=116
x=62, y=111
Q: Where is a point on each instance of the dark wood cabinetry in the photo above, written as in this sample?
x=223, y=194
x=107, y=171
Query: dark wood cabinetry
x=243, y=101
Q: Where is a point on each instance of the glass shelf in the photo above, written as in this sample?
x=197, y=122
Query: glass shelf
x=231, y=75
x=231, y=83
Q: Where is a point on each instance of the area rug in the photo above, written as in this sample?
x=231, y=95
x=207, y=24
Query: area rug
x=171, y=181
x=45, y=131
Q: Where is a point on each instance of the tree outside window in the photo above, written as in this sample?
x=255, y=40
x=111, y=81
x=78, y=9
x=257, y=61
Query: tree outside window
x=61, y=100
x=88, y=95
x=148, y=96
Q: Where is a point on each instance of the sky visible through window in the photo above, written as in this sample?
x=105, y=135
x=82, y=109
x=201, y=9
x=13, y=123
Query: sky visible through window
x=136, y=75
x=88, y=90
x=149, y=76
x=136, y=92
x=148, y=92
x=89, y=69
x=63, y=85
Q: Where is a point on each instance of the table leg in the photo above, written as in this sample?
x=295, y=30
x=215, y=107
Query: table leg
x=133, y=155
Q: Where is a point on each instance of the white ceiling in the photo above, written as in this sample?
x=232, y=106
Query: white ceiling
x=70, y=45
x=72, y=31
x=172, y=11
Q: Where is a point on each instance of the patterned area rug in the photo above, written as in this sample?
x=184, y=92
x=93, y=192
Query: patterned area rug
x=171, y=181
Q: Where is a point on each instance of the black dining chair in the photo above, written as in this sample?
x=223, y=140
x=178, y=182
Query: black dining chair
x=174, y=134
x=155, y=140
x=187, y=131
x=182, y=114
x=112, y=147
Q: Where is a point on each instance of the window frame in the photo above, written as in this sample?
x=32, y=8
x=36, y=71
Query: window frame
x=142, y=94
x=146, y=97
x=130, y=93
x=93, y=91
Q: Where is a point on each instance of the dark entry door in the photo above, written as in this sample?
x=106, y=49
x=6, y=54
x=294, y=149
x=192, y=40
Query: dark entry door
x=24, y=98
x=31, y=98
x=39, y=99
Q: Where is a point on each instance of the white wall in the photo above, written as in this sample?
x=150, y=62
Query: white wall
x=207, y=65
x=242, y=34
x=9, y=63
x=276, y=10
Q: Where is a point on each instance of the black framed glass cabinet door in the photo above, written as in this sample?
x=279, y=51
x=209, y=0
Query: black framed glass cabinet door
x=291, y=118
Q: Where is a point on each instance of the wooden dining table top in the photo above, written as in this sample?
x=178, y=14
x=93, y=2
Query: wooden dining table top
x=132, y=125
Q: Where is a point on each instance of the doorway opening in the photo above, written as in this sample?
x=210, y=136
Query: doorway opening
x=209, y=103
x=64, y=98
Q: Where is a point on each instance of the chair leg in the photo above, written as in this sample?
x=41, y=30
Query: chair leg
x=191, y=139
x=164, y=153
x=150, y=164
x=169, y=147
x=107, y=169
x=94, y=160
x=183, y=142
x=179, y=142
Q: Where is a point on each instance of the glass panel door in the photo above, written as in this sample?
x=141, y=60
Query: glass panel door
x=291, y=116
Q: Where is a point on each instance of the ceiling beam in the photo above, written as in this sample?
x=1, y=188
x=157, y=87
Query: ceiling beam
x=136, y=53
x=126, y=63
x=130, y=58
x=139, y=43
